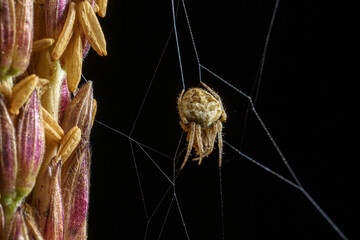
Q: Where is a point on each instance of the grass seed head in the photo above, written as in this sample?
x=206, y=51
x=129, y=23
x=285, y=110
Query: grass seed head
x=45, y=130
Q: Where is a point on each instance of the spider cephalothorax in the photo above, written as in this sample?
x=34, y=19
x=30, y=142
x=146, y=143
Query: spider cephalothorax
x=201, y=113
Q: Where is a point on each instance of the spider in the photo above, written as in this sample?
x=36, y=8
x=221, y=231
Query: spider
x=201, y=113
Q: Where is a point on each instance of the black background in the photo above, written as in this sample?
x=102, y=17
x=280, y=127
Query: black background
x=307, y=99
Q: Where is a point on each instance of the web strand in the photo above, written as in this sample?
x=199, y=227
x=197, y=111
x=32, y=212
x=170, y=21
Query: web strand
x=166, y=216
x=192, y=40
x=157, y=166
x=154, y=74
x=139, y=181
x=258, y=77
x=221, y=205
x=260, y=71
x=181, y=216
x=132, y=139
x=177, y=43
x=263, y=167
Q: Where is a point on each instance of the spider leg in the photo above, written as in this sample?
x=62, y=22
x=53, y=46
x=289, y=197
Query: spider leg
x=220, y=141
x=223, y=115
x=206, y=135
x=184, y=127
x=212, y=138
x=208, y=141
x=199, y=143
x=183, y=119
x=190, y=143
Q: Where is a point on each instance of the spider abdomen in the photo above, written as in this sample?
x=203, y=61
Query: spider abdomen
x=201, y=107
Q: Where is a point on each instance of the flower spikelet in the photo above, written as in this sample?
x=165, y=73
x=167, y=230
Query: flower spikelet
x=24, y=36
x=7, y=34
x=8, y=162
x=30, y=143
x=75, y=187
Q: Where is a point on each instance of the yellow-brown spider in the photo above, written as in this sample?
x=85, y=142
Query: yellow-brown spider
x=201, y=113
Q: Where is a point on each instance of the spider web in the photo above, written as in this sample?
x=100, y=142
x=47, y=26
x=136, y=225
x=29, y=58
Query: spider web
x=139, y=145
